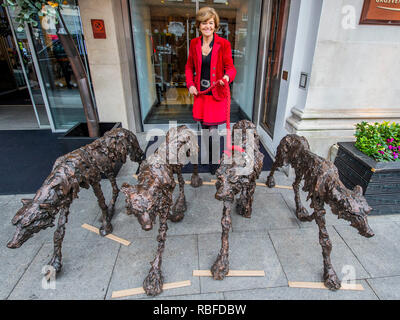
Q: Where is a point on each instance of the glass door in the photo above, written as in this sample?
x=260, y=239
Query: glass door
x=53, y=89
x=240, y=25
x=28, y=106
x=162, y=31
x=59, y=86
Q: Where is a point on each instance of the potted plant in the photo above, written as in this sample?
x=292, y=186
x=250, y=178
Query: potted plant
x=373, y=162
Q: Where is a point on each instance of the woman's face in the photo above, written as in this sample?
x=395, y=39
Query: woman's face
x=207, y=28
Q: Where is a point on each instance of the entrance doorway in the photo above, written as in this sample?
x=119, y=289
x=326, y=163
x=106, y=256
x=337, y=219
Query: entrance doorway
x=276, y=48
x=43, y=82
x=162, y=31
x=20, y=105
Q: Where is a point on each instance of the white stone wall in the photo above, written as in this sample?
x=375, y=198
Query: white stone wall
x=108, y=62
x=354, y=77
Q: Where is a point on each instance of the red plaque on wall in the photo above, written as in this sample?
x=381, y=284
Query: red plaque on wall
x=99, y=29
x=385, y=12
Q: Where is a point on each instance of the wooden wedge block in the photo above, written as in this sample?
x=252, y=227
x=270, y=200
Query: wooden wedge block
x=109, y=236
x=281, y=187
x=321, y=285
x=206, y=183
x=231, y=273
x=135, y=291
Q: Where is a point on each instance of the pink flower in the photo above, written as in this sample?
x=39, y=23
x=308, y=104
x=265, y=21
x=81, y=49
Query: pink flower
x=390, y=140
x=396, y=156
x=391, y=147
x=381, y=152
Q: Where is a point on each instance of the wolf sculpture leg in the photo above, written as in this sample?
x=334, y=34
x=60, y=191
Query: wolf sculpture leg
x=56, y=259
x=196, y=181
x=106, y=227
x=301, y=212
x=154, y=281
x=331, y=280
x=279, y=161
x=245, y=202
x=220, y=268
x=115, y=192
x=179, y=207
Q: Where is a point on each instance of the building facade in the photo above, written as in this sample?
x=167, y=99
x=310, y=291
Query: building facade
x=304, y=66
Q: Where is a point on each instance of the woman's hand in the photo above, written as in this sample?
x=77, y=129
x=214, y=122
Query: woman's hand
x=193, y=91
x=226, y=77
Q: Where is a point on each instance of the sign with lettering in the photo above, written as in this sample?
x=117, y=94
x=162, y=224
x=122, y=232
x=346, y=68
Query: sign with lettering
x=385, y=12
x=99, y=29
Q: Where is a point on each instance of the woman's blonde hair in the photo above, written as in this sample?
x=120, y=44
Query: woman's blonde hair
x=206, y=13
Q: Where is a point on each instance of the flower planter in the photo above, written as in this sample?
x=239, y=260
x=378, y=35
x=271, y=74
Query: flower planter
x=380, y=180
x=78, y=136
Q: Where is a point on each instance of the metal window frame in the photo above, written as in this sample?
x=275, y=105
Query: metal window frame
x=261, y=71
x=40, y=78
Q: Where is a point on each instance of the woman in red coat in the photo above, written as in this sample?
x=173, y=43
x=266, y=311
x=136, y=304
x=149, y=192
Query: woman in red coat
x=210, y=60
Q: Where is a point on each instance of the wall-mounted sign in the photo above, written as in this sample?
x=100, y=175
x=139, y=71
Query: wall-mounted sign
x=99, y=29
x=385, y=12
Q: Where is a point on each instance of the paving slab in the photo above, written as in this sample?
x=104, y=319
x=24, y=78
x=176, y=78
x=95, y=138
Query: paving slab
x=286, y=293
x=269, y=212
x=331, y=219
x=81, y=211
x=13, y=265
x=248, y=251
x=204, y=296
x=380, y=255
x=87, y=269
x=386, y=288
x=4, y=199
x=199, y=218
x=180, y=258
x=7, y=229
x=280, y=178
x=300, y=254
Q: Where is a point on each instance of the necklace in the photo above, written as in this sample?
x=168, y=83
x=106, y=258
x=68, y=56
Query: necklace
x=206, y=49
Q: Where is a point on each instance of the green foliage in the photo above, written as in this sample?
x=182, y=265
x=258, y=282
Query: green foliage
x=28, y=9
x=380, y=141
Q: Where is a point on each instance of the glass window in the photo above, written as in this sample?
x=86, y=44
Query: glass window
x=162, y=31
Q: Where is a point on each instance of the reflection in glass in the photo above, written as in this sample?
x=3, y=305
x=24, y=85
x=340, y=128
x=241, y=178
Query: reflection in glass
x=59, y=82
x=21, y=65
x=162, y=33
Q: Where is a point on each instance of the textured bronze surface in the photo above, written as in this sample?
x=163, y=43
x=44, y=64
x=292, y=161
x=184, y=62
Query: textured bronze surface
x=233, y=179
x=152, y=196
x=80, y=168
x=321, y=182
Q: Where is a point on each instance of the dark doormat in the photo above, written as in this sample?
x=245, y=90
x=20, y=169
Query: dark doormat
x=27, y=157
x=203, y=168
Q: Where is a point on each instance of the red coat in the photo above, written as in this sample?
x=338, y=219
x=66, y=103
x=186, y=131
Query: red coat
x=221, y=64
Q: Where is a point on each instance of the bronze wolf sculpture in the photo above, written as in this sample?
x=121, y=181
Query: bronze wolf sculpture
x=80, y=168
x=152, y=196
x=321, y=182
x=237, y=174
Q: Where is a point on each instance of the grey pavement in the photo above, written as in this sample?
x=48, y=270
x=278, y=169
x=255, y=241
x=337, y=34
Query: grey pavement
x=273, y=240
